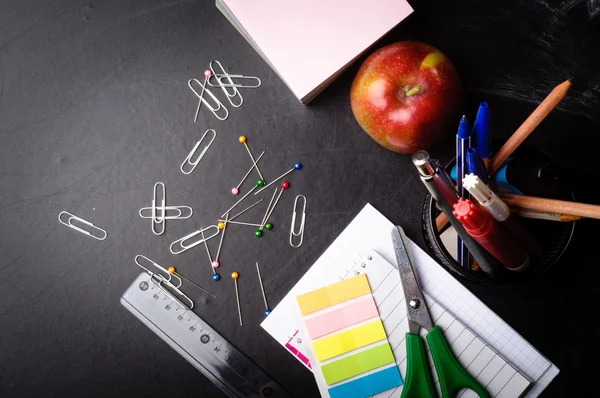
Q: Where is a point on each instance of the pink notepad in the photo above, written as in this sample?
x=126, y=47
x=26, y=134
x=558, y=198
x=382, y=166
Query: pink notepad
x=310, y=42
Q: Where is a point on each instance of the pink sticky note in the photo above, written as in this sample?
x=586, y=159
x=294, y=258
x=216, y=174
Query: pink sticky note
x=309, y=41
x=348, y=314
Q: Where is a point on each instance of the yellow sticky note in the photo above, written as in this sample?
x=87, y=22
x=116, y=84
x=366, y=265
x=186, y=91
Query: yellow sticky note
x=333, y=294
x=349, y=340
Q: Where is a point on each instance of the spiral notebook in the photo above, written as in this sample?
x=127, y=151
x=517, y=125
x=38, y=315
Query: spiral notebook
x=499, y=353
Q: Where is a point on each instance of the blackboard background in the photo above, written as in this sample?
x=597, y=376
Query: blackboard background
x=94, y=109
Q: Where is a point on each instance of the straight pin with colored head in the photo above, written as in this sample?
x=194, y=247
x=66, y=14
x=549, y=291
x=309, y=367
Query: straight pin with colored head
x=243, y=140
x=221, y=225
x=259, y=183
x=235, y=277
x=262, y=289
x=235, y=190
x=297, y=166
x=258, y=233
x=173, y=271
x=215, y=276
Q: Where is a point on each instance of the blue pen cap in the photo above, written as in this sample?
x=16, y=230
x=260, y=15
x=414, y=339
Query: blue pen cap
x=463, y=128
x=482, y=131
x=476, y=165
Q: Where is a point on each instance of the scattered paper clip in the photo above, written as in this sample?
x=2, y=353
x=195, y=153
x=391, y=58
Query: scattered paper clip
x=238, y=77
x=188, y=159
x=180, y=214
x=184, y=247
x=102, y=233
x=163, y=281
x=159, y=192
x=167, y=275
x=224, y=86
x=202, y=100
x=300, y=233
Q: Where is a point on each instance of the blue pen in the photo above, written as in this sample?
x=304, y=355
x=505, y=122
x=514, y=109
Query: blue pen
x=482, y=132
x=475, y=165
x=463, y=143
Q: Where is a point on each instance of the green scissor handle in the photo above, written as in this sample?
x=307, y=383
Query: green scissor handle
x=418, y=382
x=453, y=377
x=451, y=374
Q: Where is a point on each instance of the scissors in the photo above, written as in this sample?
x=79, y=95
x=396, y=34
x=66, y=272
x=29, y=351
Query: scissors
x=452, y=375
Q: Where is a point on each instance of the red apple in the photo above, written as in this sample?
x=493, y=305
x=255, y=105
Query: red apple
x=405, y=95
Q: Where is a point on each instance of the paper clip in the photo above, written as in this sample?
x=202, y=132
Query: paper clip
x=202, y=100
x=167, y=275
x=179, y=213
x=300, y=233
x=229, y=84
x=238, y=77
x=184, y=247
x=102, y=233
x=158, y=279
x=188, y=161
x=158, y=220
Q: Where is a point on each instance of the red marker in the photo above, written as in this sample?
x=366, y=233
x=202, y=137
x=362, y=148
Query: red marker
x=491, y=236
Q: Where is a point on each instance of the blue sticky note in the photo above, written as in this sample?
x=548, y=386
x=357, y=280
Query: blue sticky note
x=368, y=385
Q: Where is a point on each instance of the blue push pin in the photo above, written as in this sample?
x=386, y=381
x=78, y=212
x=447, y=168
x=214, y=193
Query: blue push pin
x=262, y=288
x=216, y=277
x=297, y=166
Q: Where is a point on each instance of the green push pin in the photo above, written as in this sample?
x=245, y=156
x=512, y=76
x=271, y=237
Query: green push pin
x=269, y=226
x=260, y=183
x=258, y=233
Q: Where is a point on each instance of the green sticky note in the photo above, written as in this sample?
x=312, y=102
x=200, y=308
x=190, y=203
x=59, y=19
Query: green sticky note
x=356, y=364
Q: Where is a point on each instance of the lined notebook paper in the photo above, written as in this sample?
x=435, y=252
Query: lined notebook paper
x=310, y=42
x=370, y=230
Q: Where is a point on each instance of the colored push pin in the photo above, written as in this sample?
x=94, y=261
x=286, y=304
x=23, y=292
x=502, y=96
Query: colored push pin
x=259, y=183
x=173, y=271
x=216, y=277
x=207, y=74
x=235, y=277
x=297, y=166
x=235, y=190
x=262, y=288
x=221, y=225
x=284, y=185
x=243, y=140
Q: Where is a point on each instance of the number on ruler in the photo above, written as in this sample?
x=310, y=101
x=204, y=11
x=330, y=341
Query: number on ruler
x=179, y=318
x=167, y=307
x=192, y=328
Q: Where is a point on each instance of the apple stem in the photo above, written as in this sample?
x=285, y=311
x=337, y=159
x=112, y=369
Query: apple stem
x=415, y=90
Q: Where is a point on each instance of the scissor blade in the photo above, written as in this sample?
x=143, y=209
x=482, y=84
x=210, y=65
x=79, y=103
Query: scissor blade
x=418, y=315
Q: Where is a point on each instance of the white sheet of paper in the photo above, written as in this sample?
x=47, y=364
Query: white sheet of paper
x=371, y=230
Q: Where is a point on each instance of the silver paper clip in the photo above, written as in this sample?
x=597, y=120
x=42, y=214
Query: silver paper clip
x=231, y=83
x=188, y=159
x=158, y=220
x=180, y=212
x=300, y=233
x=158, y=279
x=224, y=86
x=181, y=247
x=214, y=110
x=101, y=234
x=167, y=275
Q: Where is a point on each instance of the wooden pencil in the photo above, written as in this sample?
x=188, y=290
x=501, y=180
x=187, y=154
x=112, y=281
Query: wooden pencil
x=552, y=206
x=538, y=115
x=537, y=215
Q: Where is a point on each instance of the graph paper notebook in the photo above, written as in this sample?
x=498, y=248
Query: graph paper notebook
x=310, y=42
x=370, y=230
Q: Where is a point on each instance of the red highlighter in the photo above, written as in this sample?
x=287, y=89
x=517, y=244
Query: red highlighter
x=491, y=236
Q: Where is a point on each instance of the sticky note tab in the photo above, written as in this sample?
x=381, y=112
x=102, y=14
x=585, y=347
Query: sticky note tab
x=348, y=314
x=369, y=385
x=349, y=340
x=333, y=294
x=361, y=362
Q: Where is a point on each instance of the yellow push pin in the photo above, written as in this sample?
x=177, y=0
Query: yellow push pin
x=173, y=271
x=235, y=277
x=243, y=140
